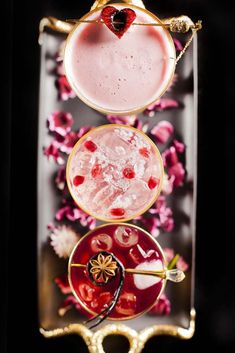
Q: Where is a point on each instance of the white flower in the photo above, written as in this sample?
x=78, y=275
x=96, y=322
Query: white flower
x=63, y=240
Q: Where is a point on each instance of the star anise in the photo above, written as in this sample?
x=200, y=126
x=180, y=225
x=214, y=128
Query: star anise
x=102, y=268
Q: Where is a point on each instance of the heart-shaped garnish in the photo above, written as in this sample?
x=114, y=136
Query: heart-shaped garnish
x=118, y=21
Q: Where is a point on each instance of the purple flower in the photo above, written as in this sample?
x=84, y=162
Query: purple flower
x=162, y=306
x=163, y=214
x=60, y=122
x=160, y=105
x=162, y=131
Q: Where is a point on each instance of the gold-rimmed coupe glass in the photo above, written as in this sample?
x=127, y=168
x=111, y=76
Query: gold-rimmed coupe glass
x=119, y=76
x=115, y=172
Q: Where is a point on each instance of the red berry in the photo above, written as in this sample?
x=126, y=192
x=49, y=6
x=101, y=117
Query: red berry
x=144, y=152
x=96, y=170
x=78, y=180
x=153, y=182
x=90, y=145
x=117, y=212
x=128, y=173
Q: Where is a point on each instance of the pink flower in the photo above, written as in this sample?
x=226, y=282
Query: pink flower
x=160, y=105
x=69, y=303
x=178, y=44
x=71, y=212
x=66, y=145
x=60, y=179
x=60, y=122
x=182, y=264
x=168, y=184
x=179, y=146
x=169, y=254
x=178, y=172
x=163, y=214
x=63, y=283
x=122, y=119
x=69, y=141
x=64, y=89
x=162, y=307
x=52, y=152
x=170, y=157
x=162, y=131
x=151, y=224
x=63, y=240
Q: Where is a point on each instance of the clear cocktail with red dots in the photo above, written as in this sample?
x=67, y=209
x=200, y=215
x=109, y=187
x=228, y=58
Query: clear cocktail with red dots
x=115, y=172
x=135, y=249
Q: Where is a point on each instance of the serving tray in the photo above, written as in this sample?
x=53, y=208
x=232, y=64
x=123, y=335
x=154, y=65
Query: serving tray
x=181, y=321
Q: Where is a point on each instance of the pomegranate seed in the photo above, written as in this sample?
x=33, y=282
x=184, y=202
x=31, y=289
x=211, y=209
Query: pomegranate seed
x=144, y=152
x=86, y=292
x=78, y=180
x=153, y=182
x=96, y=170
x=104, y=299
x=128, y=173
x=90, y=146
x=118, y=212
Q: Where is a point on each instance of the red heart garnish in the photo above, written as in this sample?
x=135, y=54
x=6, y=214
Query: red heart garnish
x=118, y=21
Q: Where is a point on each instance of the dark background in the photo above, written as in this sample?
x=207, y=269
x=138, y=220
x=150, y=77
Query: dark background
x=215, y=285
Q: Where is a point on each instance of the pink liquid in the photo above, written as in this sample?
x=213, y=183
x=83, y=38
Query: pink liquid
x=134, y=249
x=119, y=75
x=115, y=172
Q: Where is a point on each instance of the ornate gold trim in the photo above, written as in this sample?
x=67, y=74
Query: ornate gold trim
x=137, y=340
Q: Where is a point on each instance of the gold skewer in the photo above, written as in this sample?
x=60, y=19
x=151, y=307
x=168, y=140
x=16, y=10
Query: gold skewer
x=161, y=273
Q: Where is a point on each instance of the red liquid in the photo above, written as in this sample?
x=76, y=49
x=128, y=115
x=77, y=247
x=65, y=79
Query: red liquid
x=134, y=248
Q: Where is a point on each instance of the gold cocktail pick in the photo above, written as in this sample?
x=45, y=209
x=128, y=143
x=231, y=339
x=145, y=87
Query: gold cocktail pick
x=173, y=275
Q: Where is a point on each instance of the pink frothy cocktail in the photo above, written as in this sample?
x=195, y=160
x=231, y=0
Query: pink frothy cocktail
x=119, y=75
x=135, y=249
x=115, y=172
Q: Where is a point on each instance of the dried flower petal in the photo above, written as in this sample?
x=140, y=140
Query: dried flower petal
x=182, y=264
x=63, y=283
x=151, y=224
x=178, y=44
x=63, y=240
x=178, y=172
x=124, y=119
x=160, y=105
x=60, y=179
x=179, y=146
x=52, y=152
x=64, y=89
x=168, y=184
x=69, y=141
x=69, y=303
x=162, y=131
x=60, y=122
x=169, y=254
x=163, y=214
x=162, y=307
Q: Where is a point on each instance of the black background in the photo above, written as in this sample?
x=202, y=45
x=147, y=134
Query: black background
x=215, y=285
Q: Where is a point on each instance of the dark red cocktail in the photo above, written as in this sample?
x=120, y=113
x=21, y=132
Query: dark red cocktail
x=135, y=249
